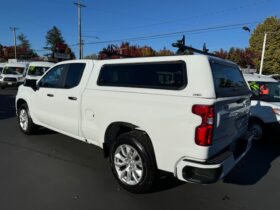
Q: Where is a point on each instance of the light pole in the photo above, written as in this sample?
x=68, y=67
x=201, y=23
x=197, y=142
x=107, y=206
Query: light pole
x=246, y=28
x=263, y=52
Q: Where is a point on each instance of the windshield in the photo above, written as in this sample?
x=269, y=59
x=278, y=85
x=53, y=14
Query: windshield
x=13, y=70
x=228, y=80
x=266, y=91
x=37, y=70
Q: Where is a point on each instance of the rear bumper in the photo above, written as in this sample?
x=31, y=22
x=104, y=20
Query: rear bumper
x=215, y=168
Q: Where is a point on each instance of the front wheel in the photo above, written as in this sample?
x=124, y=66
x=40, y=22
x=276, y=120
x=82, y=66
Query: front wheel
x=25, y=122
x=132, y=163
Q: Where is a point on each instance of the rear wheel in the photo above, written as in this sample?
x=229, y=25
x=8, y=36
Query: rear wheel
x=132, y=162
x=3, y=86
x=256, y=128
x=24, y=120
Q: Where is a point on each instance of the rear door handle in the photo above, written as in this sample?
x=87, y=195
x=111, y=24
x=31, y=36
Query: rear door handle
x=50, y=95
x=72, y=98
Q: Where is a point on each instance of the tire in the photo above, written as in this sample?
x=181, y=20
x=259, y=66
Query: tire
x=133, y=163
x=25, y=122
x=257, y=129
x=3, y=87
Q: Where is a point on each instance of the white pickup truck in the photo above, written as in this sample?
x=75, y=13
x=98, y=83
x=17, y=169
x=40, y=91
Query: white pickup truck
x=187, y=115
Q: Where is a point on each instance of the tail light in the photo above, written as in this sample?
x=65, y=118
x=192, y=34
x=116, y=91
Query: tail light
x=204, y=132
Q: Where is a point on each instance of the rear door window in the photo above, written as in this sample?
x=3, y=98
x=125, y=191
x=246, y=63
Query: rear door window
x=228, y=80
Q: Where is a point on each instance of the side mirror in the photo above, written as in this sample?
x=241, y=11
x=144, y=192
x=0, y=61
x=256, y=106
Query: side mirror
x=32, y=84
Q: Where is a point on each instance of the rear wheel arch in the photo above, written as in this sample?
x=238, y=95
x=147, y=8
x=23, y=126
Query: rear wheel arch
x=114, y=130
x=256, y=119
x=257, y=128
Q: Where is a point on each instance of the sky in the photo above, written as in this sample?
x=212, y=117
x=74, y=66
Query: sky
x=104, y=21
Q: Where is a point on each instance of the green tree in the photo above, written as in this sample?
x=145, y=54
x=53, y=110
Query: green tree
x=271, y=26
x=24, y=48
x=54, y=38
x=23, y=41
x=56, y=44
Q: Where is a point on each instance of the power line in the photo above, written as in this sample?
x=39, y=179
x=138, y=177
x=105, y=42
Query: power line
x=255, y=3
x=164, y=35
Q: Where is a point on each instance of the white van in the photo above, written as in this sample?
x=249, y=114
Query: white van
x=13, y=74
x=265, y=104
x=37, y=69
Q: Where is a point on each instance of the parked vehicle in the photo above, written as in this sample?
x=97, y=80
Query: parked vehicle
x=13, y=74
x=275, y=76
x=187, y=115
x=37, y=69
x=265, y=104
x=1, y=67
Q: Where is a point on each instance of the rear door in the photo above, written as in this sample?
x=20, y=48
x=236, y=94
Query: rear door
x=233, y=103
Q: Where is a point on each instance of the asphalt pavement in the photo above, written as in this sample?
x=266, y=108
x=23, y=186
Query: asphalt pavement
x=53, y=171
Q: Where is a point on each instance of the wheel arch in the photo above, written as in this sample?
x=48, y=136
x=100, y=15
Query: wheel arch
x=256, y=119
x=117, y=128
x=19, y=102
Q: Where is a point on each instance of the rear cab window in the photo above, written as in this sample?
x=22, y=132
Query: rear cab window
x=228, y=80
x=161, y=75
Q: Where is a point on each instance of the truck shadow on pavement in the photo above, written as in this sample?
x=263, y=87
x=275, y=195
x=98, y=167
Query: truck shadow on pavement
x=256, y=164
x=7, y=106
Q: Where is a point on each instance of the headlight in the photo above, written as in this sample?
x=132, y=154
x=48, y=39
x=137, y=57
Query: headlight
x=276, y=111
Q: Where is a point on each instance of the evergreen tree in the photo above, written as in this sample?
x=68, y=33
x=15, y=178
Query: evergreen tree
x=23, y=41
x=24, y=48
x=56, y=44
x=54, y=38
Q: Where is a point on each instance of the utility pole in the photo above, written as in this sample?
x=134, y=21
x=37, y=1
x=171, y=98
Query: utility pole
x=82, y=56
x=263, y=52
x=15, y=39
x=79, y=5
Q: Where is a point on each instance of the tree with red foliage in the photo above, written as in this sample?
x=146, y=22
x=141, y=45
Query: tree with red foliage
x=243, y=57
x=125, y=50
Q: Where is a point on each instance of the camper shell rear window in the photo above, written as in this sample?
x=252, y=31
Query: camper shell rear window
x=228, y=80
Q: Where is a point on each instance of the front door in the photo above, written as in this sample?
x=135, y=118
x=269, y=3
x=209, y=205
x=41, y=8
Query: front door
x=58, y=99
